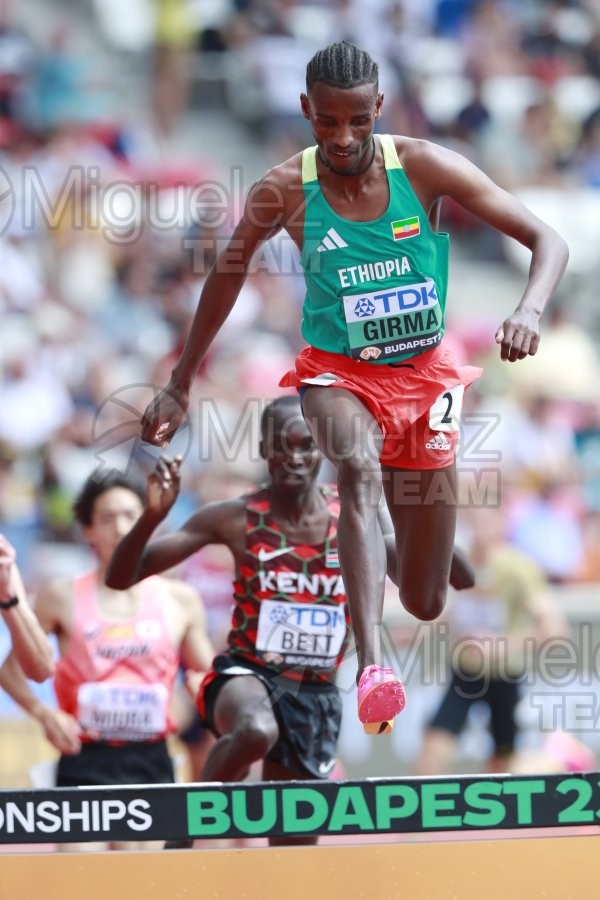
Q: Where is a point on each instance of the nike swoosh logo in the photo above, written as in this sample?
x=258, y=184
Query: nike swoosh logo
x=266, y=555
x=326, y=767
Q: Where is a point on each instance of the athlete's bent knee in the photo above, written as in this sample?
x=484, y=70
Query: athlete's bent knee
x=427, y=606
x=255, y=736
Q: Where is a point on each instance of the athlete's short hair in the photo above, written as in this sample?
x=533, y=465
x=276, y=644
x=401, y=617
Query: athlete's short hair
x=342, y=65
x=287, y=403
x=99, y=483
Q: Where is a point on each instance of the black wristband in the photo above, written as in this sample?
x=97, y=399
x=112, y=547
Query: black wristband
x=7, y=604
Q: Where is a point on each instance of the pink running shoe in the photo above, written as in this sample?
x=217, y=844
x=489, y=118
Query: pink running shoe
x=380, y=698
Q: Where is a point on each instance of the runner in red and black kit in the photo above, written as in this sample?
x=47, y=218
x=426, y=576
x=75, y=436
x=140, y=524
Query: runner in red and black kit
x=271, y=696
x=290, y=629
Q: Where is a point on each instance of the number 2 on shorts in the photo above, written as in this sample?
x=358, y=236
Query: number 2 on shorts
x=444, y=414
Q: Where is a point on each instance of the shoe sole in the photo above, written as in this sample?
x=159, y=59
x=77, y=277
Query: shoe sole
x=380, y=706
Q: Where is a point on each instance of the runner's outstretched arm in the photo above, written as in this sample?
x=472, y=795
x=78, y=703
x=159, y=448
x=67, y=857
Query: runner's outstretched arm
x=137, y=557
x=261, y=220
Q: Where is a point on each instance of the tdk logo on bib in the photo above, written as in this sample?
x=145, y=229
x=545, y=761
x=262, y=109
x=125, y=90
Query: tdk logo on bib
x=364, y=308
x=396, y=301
x=279, y=614
x=308, y=615
x=313, y=616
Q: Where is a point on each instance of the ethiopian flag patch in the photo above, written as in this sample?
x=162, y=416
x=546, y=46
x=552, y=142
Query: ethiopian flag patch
x=406, y=228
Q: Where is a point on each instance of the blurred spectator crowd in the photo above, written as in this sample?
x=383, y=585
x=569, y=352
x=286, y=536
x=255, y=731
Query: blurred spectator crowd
x=107, y=232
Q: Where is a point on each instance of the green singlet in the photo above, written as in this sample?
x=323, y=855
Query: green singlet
x=376, y=290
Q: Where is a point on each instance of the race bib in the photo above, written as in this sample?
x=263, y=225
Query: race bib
x=301, y=632
x=444, y=415
x=399, y=321
x=122, y=712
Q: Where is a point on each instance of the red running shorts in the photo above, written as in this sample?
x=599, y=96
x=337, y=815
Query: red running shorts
x=416, y=403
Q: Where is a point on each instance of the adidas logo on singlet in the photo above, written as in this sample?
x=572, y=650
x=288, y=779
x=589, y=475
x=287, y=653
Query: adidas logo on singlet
x=331, y=241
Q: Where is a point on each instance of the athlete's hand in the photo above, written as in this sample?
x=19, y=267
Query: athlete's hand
x=519, y=336
x=61, y=729
x=164, y=415
x=163, y=485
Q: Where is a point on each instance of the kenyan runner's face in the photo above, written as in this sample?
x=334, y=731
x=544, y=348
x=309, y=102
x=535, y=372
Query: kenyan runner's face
x=292, y=456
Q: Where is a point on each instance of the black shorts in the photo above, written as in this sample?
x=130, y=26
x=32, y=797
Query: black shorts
x=309, y=716
x=194, y=732
x=105, y=764
x=501, y=697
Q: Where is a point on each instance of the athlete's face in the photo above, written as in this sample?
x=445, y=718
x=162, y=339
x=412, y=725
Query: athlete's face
x=292, y=456
x=114, y=514
x=342, y=122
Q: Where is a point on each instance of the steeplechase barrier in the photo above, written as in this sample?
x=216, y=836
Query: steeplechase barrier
x=446, y=856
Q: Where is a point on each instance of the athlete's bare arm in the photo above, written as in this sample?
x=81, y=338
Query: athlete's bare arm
x=196, y=650
x=54, y=610
x=272, y=204
x=436, y=172
x=136, y=559
x=29, y=642
x=216, y=523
